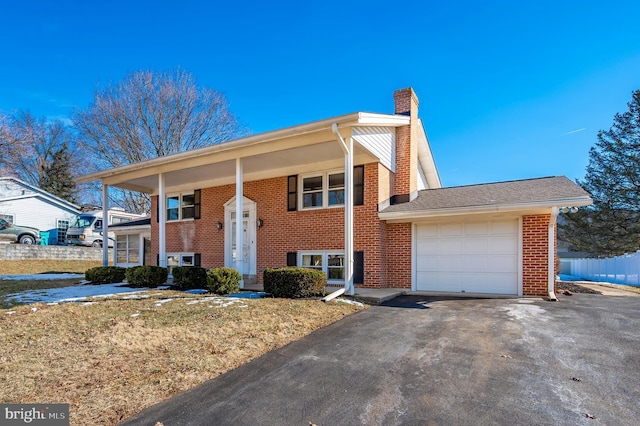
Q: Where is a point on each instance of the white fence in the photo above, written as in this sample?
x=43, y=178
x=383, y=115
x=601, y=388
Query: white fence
x=618, y=270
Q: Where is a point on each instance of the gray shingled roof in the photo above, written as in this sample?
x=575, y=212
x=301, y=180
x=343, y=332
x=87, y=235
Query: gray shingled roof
x=489, y=194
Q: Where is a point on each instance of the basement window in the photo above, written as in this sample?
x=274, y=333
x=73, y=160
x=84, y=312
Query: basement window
x=331, y=263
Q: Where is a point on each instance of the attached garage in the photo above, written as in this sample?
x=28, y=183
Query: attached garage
x=494, y=238
x=469, y=257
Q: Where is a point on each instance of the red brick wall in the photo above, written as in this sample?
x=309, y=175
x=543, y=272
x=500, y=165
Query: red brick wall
x=283, y=231
x=535, y=260
x=398, y=255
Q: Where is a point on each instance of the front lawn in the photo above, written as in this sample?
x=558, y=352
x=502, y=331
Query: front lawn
x=110, y=359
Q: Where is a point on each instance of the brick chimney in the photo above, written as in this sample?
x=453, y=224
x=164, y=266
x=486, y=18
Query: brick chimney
x=406, y=176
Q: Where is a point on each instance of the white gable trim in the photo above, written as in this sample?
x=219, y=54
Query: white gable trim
x=380, y=141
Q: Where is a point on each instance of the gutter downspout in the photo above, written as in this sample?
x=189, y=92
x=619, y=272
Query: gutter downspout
x=348, y=215
x=552, y=254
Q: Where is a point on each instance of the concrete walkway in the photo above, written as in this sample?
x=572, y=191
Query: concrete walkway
x=608, y=289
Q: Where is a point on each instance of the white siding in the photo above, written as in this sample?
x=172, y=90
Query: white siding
x=36, y=212
x=380, y=141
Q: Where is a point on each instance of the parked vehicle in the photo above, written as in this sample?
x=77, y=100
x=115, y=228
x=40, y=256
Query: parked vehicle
x=18, y=234
x=86, y=228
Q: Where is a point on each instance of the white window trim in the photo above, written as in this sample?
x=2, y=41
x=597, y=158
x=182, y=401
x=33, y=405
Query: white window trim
x=9, y=214
x=325, y=262
x=128, y=263
x=180, y=207
x=325, y=189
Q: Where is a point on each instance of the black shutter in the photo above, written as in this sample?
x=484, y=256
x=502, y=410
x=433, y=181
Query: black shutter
x=158, y=208
x=358, y=185
x=196, y=259
x=196, y=203
x=292, y=258
x=158, y=259
x=358, y=267
x=292, y=193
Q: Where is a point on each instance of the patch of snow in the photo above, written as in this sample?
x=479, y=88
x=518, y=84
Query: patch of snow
x=197, y=291
x=38, y=277
x=249, y=295
x=349, y=302
x=135, y=315
x=11, y=312
x=73, y=293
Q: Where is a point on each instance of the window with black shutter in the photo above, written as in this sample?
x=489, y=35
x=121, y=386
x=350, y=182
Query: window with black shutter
x=358, y=267
x=358, y=185
x=292, y=193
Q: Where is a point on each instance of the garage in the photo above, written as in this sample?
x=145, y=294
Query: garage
x=469, y=257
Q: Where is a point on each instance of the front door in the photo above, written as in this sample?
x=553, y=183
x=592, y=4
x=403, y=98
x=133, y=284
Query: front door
x=247, y=242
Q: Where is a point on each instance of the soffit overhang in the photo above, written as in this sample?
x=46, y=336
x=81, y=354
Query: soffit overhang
x=294, y=150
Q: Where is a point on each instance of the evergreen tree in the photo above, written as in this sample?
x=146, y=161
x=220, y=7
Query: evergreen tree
x=56, y=177
x=611, y=226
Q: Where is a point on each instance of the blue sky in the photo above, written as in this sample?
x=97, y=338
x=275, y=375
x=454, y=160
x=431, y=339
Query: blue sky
x=508, y=90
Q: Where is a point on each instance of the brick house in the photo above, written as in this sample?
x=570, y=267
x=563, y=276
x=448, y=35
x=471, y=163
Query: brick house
x=357, y=196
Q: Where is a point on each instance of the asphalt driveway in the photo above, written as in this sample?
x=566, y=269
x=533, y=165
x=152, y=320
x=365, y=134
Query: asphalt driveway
x=424, y=360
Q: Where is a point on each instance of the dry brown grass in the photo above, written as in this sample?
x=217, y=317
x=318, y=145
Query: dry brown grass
x=10, y=267
x=112, y=359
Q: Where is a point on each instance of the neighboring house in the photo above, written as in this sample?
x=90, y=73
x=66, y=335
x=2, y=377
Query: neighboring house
x=27, y=205
x=357, y=196
x=133, y=243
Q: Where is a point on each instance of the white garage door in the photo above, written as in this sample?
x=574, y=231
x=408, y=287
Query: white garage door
x=468, y=257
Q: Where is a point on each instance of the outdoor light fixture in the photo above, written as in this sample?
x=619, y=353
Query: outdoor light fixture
x=260, y=222
x=569, y=209
x=220, y=226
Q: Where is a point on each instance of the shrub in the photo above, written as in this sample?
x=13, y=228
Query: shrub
x=146, y=276
x=223, y=280
x=187, y=277
x=294, y=282
x=105, y=274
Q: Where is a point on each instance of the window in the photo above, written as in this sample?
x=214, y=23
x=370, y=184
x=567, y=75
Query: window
x=128, y=249
x=8, y=217
x=323, y=190
x=184, y=206
x=182, y=259
x=62, y=227
x=330, y=263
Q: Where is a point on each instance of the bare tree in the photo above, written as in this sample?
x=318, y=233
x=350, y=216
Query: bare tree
x=148, y=115
x=31, y=144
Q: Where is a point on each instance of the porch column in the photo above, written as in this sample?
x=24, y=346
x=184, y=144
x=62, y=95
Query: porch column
x=239, y=219
x=105, y=226
x=162, y=219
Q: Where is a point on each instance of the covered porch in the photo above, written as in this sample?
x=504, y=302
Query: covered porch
x=336, y=143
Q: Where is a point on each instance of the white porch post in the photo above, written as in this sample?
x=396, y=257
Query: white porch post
x=239, y=219
x=162, y=213
x=105, y=226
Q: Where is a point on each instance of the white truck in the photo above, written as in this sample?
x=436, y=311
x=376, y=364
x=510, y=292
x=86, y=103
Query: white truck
x=86, y=228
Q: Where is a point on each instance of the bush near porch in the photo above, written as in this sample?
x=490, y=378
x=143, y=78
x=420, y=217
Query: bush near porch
x=294, y=283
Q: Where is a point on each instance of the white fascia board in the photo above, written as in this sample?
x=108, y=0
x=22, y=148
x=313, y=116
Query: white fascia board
x=385, y=120
x=425, y=157
x=524, y=208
